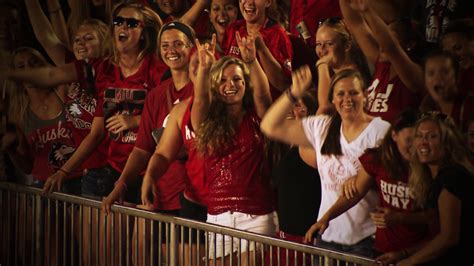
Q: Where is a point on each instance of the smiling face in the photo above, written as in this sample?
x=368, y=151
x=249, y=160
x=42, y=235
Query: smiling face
x=232, y=84
x=348, y=97
x=254, y=11
x=428, y=144
x=86, y=43
x=329, y=42
x=174, y=49
x=440, y=78
x=223, y=12
x=127, y=39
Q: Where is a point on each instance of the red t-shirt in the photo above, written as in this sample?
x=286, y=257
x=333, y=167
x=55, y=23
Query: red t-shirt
x=274, y=36
x=80, y=108
x=395, y=195
x=119, y=95
x=197, y=185
x=154, y=116
x=388, y=97
x=240, y=178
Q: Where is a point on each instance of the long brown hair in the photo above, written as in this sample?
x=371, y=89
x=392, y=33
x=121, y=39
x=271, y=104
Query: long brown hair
x=455, y=152
x=332, y=142
x=217, y=130
x=388, y=152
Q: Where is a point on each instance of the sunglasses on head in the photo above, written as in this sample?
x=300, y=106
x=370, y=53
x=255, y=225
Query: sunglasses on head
x=131, y=22
x=330, y=20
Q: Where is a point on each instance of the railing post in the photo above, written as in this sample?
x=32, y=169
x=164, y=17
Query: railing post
x=173, y=245
x=39, y=234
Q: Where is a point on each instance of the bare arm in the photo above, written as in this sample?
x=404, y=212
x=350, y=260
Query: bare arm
x=274, y=123
x=44, y=32
x=87, y=146
x=193, y=13
x=166, y=151
x=273, y=69
x=409, y=72
x=261, y=88
x=202, y=85
x=449, y=207
x=361, y=31
x=58, y=22
x=324, y=79
x=136, y=163
x=363, y=184
x=309, y=156
x=46, y=76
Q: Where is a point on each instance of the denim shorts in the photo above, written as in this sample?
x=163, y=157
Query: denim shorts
x=70, y=186
x=99, y=182
x=364, y=248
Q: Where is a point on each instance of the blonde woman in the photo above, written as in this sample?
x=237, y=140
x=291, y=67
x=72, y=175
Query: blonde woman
x=442, y=177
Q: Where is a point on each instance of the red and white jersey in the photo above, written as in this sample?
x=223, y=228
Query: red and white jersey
x=154, y=117
x=389, y=97
x=123, y=96
x=395, y=195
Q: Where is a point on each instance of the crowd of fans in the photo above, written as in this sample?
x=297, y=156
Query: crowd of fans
x=346, y=124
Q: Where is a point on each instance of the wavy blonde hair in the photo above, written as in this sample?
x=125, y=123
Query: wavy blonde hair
x=454, y=153
x=217, y=130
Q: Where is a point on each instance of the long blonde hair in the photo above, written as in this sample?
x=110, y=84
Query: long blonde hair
x=455, y=152
x=19, y=100
x=217, y=130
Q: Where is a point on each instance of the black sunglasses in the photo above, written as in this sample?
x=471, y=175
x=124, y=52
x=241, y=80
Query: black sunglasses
x=131, y=22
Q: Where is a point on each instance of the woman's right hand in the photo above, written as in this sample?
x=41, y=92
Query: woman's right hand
x=206, y=53
x=301, y=81
x=319, y=227
x=147, y=187
x=116, y=195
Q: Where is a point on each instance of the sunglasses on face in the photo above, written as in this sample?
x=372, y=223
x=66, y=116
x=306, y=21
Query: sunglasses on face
x=131, y=22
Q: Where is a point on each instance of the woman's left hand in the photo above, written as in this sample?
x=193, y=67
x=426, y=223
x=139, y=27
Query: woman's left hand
x=121, y=122
x=384, y=217
x=247, y=48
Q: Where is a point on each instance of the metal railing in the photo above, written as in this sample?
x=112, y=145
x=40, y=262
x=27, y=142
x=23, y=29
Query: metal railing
x=62, y=229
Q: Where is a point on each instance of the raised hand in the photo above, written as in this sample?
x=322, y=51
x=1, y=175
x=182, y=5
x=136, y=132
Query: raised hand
x=301, y=81
x=359, y=5
x=206, y=53
x=247, y=48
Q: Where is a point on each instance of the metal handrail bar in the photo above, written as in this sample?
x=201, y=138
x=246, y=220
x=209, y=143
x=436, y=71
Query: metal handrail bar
x=310, y=250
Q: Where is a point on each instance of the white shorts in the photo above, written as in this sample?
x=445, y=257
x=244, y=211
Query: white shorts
x=260, y=224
